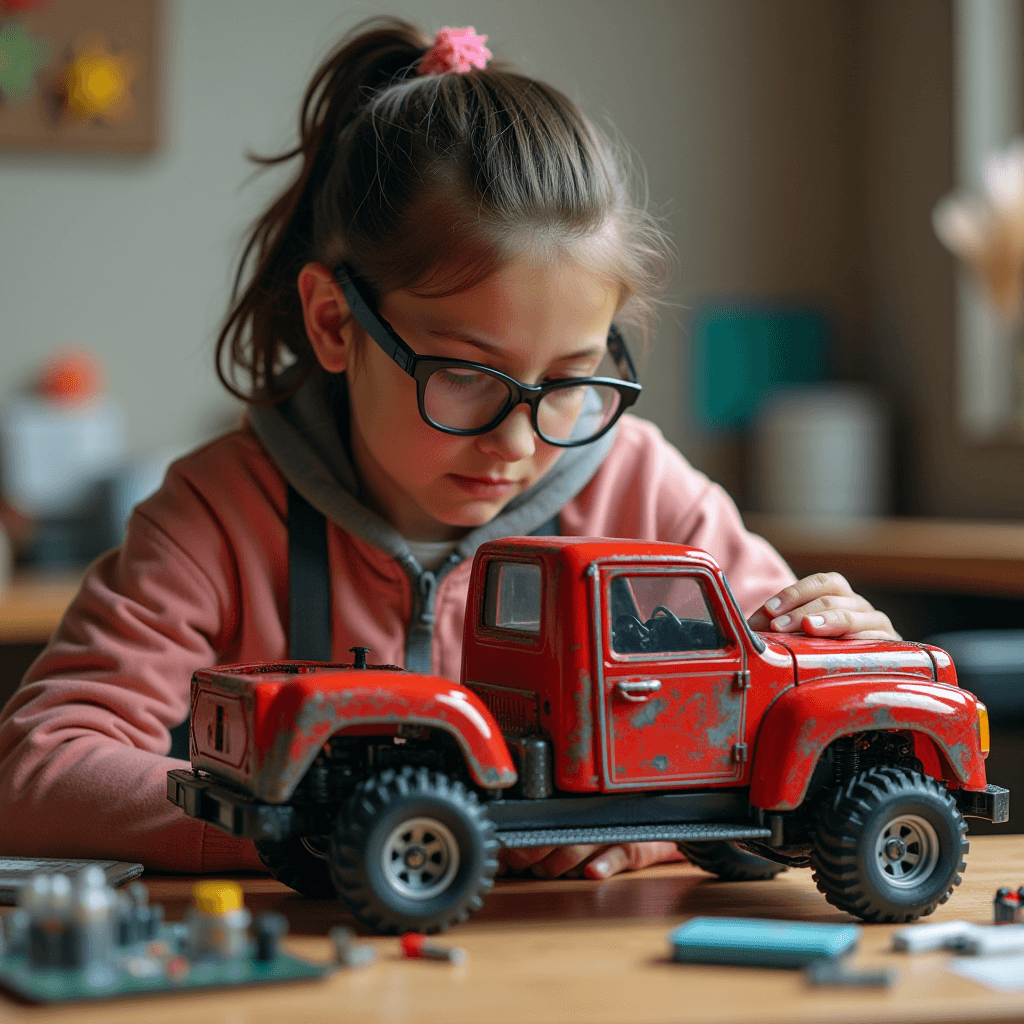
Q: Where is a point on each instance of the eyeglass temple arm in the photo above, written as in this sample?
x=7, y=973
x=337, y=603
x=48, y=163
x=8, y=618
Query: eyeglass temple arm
x=619, y=352
x=371, y=321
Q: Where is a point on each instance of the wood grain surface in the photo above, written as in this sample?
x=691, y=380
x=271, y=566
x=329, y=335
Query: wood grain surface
x=553, y=952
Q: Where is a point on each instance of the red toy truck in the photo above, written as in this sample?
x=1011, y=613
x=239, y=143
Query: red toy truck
x=611, y=691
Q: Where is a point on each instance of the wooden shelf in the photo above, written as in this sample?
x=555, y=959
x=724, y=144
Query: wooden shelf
x=937, y=555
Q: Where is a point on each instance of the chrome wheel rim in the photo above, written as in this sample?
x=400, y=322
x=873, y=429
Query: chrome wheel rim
x=907, y=850
x=420, y=858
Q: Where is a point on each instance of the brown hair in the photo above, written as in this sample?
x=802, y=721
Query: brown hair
x=431, y=183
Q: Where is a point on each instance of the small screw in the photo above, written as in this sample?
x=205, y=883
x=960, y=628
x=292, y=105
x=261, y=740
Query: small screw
x=416, y=947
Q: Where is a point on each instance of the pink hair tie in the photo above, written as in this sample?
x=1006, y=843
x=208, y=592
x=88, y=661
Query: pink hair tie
x=455, y=49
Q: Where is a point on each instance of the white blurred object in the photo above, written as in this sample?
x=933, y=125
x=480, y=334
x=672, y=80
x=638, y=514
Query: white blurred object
x=986, y=231
x=136, y=481
x=51, y=456
x=821, y=450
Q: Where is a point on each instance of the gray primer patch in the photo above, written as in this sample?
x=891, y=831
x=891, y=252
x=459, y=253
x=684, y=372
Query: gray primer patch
x=648, y=713
x=581, y=738
x=660, y=763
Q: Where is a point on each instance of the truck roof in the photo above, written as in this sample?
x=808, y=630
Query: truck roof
x=578, y=553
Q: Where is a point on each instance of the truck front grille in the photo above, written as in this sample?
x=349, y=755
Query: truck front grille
x=515, y=711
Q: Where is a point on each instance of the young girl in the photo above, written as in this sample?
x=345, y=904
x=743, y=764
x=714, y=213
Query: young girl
x=424, y=310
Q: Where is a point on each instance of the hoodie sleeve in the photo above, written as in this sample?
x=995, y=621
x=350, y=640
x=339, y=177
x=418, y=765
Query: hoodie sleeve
x=646, y=489
x=84, y=740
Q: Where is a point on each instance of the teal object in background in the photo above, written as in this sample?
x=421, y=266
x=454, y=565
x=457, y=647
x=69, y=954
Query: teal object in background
x=742, y=353
x=758, y=943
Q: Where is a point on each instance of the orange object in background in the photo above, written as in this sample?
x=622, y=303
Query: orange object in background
x=70, y=377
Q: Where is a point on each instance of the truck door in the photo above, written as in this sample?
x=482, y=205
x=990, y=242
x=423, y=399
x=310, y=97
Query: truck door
x=674, y=683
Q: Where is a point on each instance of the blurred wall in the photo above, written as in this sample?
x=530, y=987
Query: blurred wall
x=733, y=106
x=907, y=329
x=796, y=148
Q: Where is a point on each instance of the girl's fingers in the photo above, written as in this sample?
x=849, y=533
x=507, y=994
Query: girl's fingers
x=563, y=859
x=593, y=861
x=792, y=619
x=853, y=625
x=823, y=604
x=800, y=593
x=518, y=860
x=631, y=857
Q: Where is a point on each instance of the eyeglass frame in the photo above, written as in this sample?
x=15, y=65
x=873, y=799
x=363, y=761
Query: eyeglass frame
x=422, y=368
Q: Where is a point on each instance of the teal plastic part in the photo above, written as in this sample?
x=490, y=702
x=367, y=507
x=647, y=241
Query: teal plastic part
x=759, y=943
x=743, y=353
x=116, y=979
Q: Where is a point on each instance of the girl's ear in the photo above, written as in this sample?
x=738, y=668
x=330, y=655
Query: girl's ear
x=330, y=325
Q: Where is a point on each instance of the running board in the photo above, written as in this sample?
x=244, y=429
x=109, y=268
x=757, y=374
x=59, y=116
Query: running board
x=692, y=833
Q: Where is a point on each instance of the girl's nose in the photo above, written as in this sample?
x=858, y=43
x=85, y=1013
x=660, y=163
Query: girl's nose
x=512, y=439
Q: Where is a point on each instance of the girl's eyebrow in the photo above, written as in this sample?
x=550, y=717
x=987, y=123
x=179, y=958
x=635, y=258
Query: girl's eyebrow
x=494, y=350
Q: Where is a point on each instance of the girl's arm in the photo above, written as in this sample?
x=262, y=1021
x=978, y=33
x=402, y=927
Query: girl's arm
x=83, y=742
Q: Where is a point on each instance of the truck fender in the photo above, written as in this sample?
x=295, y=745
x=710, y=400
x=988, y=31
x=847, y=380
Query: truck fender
x=303, y=718
x=805, y=719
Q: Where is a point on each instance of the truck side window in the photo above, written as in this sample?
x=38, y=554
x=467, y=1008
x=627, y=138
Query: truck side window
x=653, y=614
x=512, y=600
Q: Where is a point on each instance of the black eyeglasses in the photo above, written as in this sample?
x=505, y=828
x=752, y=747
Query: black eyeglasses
x=460, y=397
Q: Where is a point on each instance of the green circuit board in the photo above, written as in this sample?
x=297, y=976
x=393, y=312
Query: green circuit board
x=151, y=967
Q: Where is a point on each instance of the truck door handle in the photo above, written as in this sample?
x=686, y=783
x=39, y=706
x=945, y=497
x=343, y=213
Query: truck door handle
x=638, y=689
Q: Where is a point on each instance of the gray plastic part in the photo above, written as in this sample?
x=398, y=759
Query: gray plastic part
x=699, y=832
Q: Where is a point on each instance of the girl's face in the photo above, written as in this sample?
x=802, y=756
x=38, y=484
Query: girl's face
x=533, y=321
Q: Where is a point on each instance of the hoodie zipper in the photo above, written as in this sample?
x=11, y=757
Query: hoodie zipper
x=419, y=642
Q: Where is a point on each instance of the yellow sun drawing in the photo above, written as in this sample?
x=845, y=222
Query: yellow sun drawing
x=97, y=83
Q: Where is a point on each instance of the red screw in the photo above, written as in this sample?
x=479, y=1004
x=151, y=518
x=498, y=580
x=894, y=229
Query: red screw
x=416, y=947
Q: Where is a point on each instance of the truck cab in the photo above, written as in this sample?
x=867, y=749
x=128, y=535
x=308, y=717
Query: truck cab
x=634, y=654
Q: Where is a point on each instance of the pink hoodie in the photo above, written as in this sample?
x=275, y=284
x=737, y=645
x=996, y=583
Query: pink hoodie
x=202, y=579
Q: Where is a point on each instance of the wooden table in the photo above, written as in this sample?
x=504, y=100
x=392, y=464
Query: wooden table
x=939, y=555
x=550, y=952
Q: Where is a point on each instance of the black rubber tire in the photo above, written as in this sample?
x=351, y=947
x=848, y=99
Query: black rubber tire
x=377, y=810
x=729, y=862
x=848, y=866
x=290, y=862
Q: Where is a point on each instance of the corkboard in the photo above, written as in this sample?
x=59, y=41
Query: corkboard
x=35, y=122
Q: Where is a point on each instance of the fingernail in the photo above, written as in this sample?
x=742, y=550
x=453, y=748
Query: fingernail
x=772, y=603
x=600, y=868
x=781, y=621
x=816, y=620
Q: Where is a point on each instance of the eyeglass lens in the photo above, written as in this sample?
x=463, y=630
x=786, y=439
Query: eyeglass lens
x=464, y=399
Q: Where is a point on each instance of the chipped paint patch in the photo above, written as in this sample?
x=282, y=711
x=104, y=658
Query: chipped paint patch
x=579, y=745
x=723, y=731
x=648, y=714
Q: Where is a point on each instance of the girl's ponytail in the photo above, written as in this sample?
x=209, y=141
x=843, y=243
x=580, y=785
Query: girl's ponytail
x=264, y=322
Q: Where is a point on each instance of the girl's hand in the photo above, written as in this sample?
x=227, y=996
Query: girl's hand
x=586, y=860
x=823, y=605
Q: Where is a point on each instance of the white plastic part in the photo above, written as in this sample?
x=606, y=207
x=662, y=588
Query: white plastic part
x=925, y=938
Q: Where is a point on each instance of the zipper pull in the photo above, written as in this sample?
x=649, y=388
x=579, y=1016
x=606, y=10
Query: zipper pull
x=428, y=588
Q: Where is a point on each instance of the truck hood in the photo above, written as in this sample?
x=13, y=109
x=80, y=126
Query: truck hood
x=818, y=657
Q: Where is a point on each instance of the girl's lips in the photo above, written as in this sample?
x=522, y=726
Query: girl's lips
x=484, y=486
